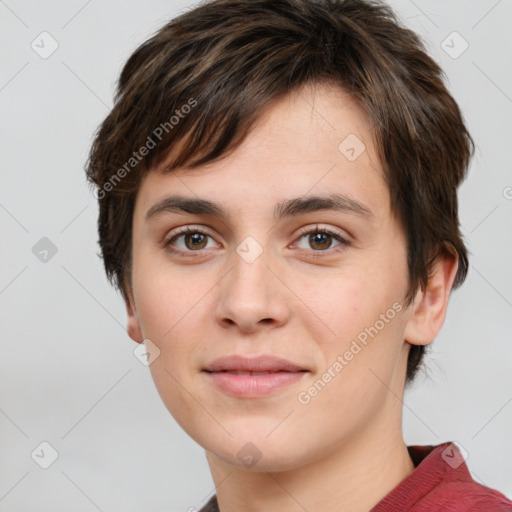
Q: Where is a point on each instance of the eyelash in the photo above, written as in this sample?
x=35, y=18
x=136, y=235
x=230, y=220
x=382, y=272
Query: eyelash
x=319, y=253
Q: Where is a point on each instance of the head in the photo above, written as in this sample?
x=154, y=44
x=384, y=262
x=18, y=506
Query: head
x=249, y=104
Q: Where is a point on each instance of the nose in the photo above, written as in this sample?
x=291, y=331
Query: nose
x=251, y=296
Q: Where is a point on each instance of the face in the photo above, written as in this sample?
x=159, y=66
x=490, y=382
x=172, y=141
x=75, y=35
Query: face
x=318, y=283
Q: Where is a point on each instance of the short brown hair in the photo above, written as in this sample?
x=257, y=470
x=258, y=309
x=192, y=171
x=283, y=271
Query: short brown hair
x=228, y=59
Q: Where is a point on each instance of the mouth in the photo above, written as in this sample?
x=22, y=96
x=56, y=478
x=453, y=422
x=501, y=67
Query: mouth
x=253, y=377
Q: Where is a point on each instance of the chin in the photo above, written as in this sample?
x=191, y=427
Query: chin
x=259, y=454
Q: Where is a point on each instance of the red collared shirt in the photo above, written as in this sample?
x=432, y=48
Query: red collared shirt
x=441, y=482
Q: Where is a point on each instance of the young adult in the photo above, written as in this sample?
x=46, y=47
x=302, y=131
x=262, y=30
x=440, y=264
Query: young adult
x=277, y=184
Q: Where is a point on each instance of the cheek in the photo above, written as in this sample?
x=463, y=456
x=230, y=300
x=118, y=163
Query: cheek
x=339, y=306
x=172, y=311
x=169, y=313
x=364, y=313
x=167, y=297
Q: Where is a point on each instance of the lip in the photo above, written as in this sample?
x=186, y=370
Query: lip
x=263, y=363
x=224, y=374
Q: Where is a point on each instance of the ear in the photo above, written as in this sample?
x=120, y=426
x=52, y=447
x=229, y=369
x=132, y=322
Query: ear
x=133, y=325
x=430, y=305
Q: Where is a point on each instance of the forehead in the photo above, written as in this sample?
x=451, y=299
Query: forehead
x=313, y=141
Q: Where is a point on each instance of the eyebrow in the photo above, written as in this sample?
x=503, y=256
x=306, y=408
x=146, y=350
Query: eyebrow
x=284, y=209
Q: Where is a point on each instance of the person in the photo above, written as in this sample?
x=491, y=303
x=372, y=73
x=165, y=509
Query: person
x=277, y=187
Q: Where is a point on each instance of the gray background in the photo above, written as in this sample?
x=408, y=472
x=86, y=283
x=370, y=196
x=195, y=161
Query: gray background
x=68, y=373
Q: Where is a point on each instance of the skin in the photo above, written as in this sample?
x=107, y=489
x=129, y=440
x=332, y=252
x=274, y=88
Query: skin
x=345, y=447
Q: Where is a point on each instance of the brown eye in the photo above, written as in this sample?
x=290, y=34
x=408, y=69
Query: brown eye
x=195, y=241
x=188, y=240
x=321, y=240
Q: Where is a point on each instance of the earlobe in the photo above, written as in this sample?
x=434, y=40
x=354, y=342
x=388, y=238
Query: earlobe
x=133, y=325
x=431, y=304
